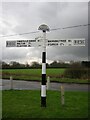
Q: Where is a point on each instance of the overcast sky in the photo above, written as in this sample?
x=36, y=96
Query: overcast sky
x=21, y=17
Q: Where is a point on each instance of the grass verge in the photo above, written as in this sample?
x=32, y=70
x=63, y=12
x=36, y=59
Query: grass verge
x=26, y=104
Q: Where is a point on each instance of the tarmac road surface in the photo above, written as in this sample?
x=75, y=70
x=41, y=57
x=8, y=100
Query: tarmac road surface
x=30, y=85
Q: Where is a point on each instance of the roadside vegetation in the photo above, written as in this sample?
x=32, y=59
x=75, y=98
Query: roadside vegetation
x=75, y=72
x=56, y=75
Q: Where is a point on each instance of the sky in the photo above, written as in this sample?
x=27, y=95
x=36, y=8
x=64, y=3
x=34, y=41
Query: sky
x=22, y=17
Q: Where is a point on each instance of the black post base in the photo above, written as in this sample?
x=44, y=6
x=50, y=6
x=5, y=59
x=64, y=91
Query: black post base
x=43, y=101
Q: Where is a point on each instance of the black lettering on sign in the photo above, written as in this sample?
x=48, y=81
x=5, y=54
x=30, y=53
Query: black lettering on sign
x=69, y=40
x=10, y=43
x=61, y=44
x=53, y=40
x=79, y=42
x=31, y=41
x=53, y=44
x=29, y=45
x=21, y=45
x=62, y=40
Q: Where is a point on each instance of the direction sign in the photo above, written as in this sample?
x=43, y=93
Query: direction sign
x=66, y=42
x=23, y=43
x=39, y=42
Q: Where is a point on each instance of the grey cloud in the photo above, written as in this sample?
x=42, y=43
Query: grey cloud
x=29, y=16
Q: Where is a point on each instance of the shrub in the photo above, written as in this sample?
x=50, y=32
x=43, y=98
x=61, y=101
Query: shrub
x=77, y=71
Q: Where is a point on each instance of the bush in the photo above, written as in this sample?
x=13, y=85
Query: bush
x=77, y=71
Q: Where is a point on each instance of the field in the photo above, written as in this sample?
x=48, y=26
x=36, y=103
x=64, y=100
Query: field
x=26, y=104
x=56, y=75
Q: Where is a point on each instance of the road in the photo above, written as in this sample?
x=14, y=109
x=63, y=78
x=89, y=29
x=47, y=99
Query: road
x=29, y=85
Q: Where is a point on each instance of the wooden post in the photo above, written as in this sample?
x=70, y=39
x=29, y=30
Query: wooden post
x=62, y=95
x=48, y=83
x=11, y=83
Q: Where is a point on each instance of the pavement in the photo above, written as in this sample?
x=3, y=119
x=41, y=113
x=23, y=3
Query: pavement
x=30, y=85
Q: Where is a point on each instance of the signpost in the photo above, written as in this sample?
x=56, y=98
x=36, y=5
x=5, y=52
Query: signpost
x=43, y=42
x=44, y=28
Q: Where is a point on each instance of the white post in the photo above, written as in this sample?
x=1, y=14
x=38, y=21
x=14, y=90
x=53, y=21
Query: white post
x=44, y=28
x=43, y=86
x=48, y=83
x=11, y=82
x=62, y=95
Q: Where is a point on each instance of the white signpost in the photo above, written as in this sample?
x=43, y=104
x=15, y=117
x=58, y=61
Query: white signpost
x=43, y=42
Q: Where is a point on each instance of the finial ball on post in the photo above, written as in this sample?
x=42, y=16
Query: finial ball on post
x=44, y=28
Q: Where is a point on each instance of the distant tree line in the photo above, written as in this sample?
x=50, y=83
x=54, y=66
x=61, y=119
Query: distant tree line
x=54, y=64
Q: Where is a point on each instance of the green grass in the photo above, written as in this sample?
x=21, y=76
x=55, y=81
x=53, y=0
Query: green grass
x=35, y=74
x=26, y=104
x=30, y=74
x=34, y=71
x=0, y=104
